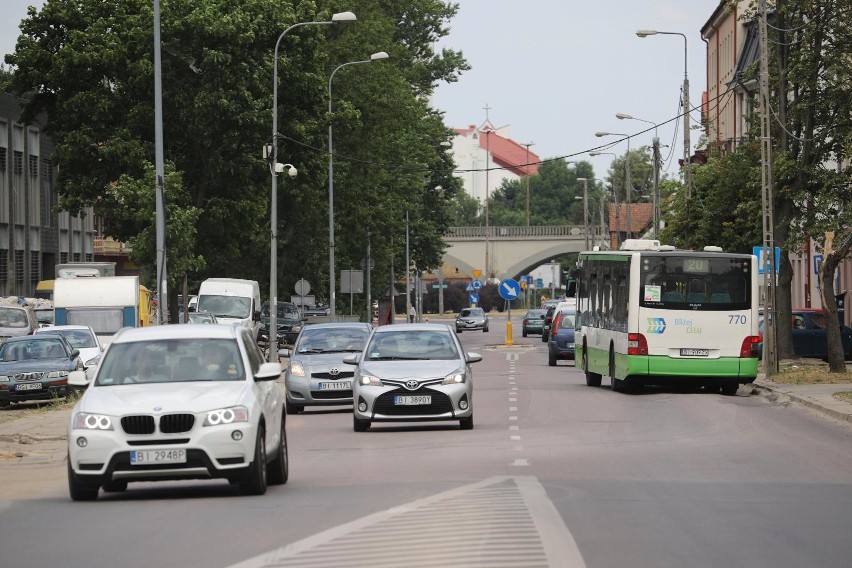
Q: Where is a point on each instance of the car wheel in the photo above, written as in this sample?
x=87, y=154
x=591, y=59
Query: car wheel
x=592, y=379
x=551, y=358
x=458, y=330
x=80, y=490
x=543, y=337
x=524, y=333
x=115, y=486
x=466, y=423
x=255, y=481
x=360, y=425
x=293, y=408
x=730, y=389
x=278, y=469
x=5, y=404
x=485, y=329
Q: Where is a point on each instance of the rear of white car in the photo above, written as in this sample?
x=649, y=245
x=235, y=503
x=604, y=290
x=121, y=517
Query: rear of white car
x=212, y=419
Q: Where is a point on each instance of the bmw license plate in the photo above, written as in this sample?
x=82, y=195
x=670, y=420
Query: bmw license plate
x=403, y=400
x=145, y=457
x=694, y=352
x=28, y=387
x=336, y=386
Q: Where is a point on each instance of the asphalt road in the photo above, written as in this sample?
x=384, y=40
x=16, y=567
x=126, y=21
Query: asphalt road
x=555, y=473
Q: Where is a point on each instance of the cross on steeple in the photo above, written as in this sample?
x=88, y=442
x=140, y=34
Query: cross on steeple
x=486, y=108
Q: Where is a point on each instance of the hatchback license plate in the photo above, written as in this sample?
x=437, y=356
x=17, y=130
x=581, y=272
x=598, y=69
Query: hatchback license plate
x=342, y=385
x=28, y=387
x=694, y=352
x=144, y=457
x=411, y=400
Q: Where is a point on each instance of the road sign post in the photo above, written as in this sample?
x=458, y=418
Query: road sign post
x=509, y=290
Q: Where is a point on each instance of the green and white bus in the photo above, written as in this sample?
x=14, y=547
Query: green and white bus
x=650, y=314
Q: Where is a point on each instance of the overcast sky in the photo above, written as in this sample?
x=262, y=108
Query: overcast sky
x=557, y=71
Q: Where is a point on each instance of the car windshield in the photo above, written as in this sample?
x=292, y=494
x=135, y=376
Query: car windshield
x=201, y=318
x=285, y=311
x=35, y=348
x=171, y=361
x=79, y=338
x=331, y=340
x=13, y=317
x=44, y=316
x=535, y=314
x=225, y=306
x=418, y=344
x=471, y=312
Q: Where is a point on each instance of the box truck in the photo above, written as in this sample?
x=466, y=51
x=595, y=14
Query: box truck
x=106, y=304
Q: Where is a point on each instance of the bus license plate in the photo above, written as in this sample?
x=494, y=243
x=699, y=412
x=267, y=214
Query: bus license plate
x=28, y=387
x=342, y=385
x=144, y=457
x=694, y=352
x=411, y=400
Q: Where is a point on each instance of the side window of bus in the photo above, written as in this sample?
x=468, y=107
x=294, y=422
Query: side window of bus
x=621, y=304
x=606, y=303
x=593, y=302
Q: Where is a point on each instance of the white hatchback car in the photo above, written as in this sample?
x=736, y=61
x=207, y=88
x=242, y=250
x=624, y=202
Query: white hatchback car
x=187, y=401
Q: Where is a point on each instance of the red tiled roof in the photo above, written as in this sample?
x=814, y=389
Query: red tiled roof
x=641, y=217
x=505, y=153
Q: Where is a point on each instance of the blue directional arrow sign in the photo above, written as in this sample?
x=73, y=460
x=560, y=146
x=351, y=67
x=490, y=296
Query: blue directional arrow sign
x=473, y=298
x=476, y=284
x=509, y=289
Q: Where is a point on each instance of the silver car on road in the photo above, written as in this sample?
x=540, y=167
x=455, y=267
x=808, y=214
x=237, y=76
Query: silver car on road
x=316, y=375
x=412, y=373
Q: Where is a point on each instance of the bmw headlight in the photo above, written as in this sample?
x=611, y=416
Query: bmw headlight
x=226, y=416
x=86, y=421
x=297, y=369
x=453, y=378
x=370, y=380
x=57, y=374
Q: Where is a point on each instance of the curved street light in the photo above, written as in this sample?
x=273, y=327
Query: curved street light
x=273, y=157
x=332, y=284
x=628, y=183
x=656, y=177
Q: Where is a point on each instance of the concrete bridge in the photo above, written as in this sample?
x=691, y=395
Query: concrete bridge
x=512, y=251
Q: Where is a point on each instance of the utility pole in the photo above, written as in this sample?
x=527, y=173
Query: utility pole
x=527, y=169
x=770, y=348
x=655, y=197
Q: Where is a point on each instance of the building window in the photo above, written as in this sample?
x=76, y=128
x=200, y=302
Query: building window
x=2, y=159
x=33, y=165
x=19, y=265
x=90, y=257
x=18, y=166
x=77, y=257
x=47, y=168
x=63, y=258
x=4, y=264
x=35, y=267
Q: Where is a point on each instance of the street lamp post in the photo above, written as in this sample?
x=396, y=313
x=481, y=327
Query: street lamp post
x=628, y=183
x=274, y=170
x=585, y=210
x=332, y=284
x=687, y=174
x=655, y=192
x=527, y=167
x=615, y=202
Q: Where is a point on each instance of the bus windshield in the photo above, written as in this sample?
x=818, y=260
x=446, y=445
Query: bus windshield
x=691, y=282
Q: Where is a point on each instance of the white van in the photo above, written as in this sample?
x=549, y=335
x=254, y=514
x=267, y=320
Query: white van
x=232, y=300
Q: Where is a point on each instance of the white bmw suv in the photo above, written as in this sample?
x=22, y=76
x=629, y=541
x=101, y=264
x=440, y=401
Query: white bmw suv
x=178, y=402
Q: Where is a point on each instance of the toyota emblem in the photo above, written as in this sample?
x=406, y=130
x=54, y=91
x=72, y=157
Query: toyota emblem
x=412, y=384
x=334, y=371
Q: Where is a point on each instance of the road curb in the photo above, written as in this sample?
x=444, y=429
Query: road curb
x=809, y=402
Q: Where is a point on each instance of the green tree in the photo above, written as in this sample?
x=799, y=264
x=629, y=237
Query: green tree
x=88, y=65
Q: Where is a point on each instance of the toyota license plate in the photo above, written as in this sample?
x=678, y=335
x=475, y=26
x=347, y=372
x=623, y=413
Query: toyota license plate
x=28, y=387
x=146, y=457
x=403, y=400
x=694, y=352
x=336, y=386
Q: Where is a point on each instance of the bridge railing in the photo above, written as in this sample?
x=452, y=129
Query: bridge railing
x=510, y=232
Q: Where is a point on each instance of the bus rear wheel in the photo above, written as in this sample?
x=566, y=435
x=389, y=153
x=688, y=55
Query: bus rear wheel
x=592, y=379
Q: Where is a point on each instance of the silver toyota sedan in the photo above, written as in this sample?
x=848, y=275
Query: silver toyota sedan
x=412, y=373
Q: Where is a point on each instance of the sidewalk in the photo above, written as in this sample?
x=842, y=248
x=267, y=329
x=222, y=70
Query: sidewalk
x=818, y=397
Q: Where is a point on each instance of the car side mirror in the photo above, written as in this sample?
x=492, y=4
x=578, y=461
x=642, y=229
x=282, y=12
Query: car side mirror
x=284, y=353
x=74, y=353
x=352, y=359
x=473, y=357
x=268, y=372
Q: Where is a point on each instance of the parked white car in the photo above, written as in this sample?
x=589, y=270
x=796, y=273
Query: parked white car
x=83, y=339
x=187, y=401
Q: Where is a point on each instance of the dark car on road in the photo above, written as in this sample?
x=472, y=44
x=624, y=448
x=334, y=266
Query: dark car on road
x=289, y=323
x=560, y=342
x=36, y=367
x=533, y=322
x=809, y=334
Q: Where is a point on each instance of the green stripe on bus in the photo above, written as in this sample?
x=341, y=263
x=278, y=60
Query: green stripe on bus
x=662, y=366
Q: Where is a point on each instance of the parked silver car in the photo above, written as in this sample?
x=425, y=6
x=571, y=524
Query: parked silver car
x=316, y=375
x=412, y=373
